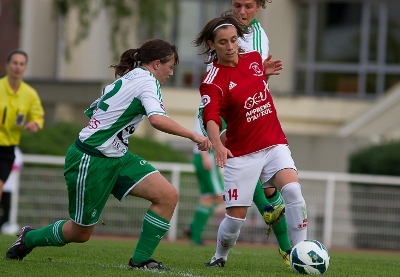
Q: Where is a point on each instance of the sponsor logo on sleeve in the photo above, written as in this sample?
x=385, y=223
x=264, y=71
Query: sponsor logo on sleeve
x=205, y=100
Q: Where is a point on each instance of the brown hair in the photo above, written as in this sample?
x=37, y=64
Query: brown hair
x=16, y=51
x=261, y=3
x=151, y=50
x=208, y=33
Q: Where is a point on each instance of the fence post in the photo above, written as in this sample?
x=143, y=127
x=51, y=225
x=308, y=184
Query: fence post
x=329, y=207
x=15, y=200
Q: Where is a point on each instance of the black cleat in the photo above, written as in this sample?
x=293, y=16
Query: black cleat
x=18, y=250
x=187, y=232
x=216, y=262
x=150, y=264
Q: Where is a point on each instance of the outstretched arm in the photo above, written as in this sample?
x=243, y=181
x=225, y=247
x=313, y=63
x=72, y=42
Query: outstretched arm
x=168, y=125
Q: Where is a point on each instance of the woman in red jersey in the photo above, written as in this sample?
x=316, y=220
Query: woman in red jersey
x=236, y=89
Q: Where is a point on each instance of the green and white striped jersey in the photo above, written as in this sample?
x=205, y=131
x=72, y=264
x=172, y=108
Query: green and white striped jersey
x=118, y=112
x=256, y=40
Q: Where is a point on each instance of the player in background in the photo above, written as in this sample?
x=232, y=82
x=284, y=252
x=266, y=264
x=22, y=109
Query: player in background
x=99, y=164
x=257, y=39
x=10, y=187
x=20, y=109
x=211, y=188
x=236, y=89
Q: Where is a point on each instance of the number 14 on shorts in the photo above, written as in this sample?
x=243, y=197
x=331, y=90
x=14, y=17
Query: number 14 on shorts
x=232, y=194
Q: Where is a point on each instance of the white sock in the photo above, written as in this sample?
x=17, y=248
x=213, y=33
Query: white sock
x=295, y=211
x=228, y=233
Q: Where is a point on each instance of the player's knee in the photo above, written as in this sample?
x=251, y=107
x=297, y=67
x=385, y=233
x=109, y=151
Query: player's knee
x=76, y=233
x=174, y=195
x=82, y=237
x=168, y=198
x=291, y=193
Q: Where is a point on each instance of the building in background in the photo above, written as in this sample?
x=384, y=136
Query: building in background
x=340, y=79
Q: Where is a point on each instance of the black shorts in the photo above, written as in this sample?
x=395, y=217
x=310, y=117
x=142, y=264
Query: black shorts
x=7, y=157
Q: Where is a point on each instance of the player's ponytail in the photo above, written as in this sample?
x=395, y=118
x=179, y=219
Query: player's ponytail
x=151, y=50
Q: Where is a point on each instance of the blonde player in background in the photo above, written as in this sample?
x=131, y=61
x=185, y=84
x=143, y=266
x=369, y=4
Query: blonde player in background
x=211, y=188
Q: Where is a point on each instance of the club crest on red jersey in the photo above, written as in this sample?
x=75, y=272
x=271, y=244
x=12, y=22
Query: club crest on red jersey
x=256, y=67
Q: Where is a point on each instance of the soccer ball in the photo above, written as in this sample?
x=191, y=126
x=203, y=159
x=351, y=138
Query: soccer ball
x=309, y=257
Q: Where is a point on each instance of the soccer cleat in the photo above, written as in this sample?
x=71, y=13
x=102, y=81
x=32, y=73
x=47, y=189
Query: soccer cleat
x=150, y=264
x=187, y=232
x=214, y=262
x=285, y=256
x=18, y=250
x=272, y=214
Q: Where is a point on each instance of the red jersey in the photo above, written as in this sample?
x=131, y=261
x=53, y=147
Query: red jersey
x=240, y=95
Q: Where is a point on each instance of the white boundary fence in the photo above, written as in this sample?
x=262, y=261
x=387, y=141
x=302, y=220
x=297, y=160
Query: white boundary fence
x=326, y=196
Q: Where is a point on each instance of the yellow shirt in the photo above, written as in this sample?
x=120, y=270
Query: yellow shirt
x=17, y=109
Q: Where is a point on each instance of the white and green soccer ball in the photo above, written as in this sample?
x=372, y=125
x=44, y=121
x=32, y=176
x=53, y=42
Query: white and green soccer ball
x=309, y=257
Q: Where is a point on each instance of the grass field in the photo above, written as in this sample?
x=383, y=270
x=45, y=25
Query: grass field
x=109, y=257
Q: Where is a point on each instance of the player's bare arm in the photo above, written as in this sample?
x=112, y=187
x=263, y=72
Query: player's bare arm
x=168, y=125
x=221, y=153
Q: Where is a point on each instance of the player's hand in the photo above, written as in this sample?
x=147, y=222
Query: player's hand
x=203, y=143
x=31, y=126
x=221, y=154
x=272, y=67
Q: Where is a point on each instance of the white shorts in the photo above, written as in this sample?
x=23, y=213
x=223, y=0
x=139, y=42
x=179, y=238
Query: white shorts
x=241, y=174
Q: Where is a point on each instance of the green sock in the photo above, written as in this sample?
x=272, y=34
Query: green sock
x=275, y=199
x=201, y=216
x=259, y=198
x=153, y=229
x=50, y=235
x=280, y=228
x=282, y=235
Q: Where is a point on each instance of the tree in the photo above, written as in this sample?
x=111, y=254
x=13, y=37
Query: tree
x=151, y=14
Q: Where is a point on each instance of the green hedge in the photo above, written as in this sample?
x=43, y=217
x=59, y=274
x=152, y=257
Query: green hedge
x=371, y=205
x=57, y=139
x=381, y=159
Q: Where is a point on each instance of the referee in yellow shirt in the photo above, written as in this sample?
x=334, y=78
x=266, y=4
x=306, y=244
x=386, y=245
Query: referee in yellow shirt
x=20, y=109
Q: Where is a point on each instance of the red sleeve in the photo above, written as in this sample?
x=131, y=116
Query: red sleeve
x=211, y=103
